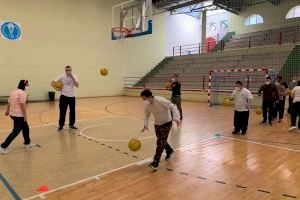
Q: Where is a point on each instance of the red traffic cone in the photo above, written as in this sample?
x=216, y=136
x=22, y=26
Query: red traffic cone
x=43, y=188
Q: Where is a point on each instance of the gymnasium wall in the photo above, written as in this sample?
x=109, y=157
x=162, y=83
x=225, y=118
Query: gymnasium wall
x=56, y=33
x=274, y=17
x=181, y=30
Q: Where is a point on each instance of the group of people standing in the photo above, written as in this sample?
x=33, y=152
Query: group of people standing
x=273, y=103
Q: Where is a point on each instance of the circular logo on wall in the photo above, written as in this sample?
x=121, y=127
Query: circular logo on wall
x=10, y=31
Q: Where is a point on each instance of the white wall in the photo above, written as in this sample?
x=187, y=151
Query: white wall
x=215, y=18
x=181, y=29
x=184, y=30
x=274, y=17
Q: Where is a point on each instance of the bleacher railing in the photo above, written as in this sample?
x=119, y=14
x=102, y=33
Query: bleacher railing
x=277, y=38
x=194, y=83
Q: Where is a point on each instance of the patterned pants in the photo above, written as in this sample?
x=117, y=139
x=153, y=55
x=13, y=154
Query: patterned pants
x=162, y=133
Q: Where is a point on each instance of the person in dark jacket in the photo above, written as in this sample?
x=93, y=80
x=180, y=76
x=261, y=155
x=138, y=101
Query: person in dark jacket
x=270, y=96
x=176, y=92
x=280, y=104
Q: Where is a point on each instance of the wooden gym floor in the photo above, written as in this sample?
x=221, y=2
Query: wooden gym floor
x=95, y=163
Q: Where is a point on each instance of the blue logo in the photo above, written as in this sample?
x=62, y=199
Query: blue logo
x=10, y=31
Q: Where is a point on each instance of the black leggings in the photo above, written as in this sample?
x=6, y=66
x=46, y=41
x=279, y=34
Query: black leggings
x=19, y=125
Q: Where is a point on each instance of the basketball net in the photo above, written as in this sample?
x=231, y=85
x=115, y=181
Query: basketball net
x=120, y=33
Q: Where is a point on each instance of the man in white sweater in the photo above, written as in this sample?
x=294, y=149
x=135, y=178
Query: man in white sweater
x=241, y=97
x=161, y=109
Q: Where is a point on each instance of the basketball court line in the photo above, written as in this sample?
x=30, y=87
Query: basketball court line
x=98, y=139
x=84, y=120
x=9, y=188
x=228, y=184
x=97, y=177
x=262, y=144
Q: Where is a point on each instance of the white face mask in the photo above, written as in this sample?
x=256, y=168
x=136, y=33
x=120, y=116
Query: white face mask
x=277, y=83
x=238, y=89
x=268, y=82
x=294, y=81
x=173, y=79
x=27, y=87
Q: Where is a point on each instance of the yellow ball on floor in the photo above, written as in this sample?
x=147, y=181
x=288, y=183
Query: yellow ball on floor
x=134, y=145
x=58, y=85
x=258, y=111
x=104, y=72
x=227, y=102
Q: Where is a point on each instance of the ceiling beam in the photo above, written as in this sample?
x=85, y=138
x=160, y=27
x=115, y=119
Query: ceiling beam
x=231, y=6
x=275, y=2
x=184, y=4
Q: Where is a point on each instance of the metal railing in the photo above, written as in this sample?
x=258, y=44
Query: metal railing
x=276, y=38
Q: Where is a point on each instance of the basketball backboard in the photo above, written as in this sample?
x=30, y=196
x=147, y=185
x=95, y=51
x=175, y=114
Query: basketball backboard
x=132, y=18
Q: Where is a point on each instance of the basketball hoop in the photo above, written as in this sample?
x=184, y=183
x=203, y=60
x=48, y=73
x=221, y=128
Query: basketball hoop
x=120, y=33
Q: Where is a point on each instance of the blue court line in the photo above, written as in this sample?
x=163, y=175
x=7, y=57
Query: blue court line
x=10, y=188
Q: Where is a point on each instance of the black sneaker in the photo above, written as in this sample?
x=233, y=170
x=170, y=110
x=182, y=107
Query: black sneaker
x=235, y=132
x=263, y=123
x=270, y=123
x=60, y=129
x=73, y=127
x=244, y=132
x=154, y=165
x=169, y=155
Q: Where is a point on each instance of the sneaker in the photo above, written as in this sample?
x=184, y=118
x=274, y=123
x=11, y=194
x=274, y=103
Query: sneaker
x=60, y=129
x=29, y=146
x=244, y=132
x=3, y=151
x=292, y=128
x=154, y=165
x=73, y=127
x=235, y=132
x=168, y=156
x=263, y=123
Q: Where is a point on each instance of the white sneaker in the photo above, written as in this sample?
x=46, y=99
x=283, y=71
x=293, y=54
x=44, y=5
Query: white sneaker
x=3, y=151
x=29, y=146
x=292, y=128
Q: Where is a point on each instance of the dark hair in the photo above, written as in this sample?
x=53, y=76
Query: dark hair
x=268, y=77
x=298, y=83
x=279, y=77
x=239, y=82
x=68, y=66
x=22, y=84
x=146, y=93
